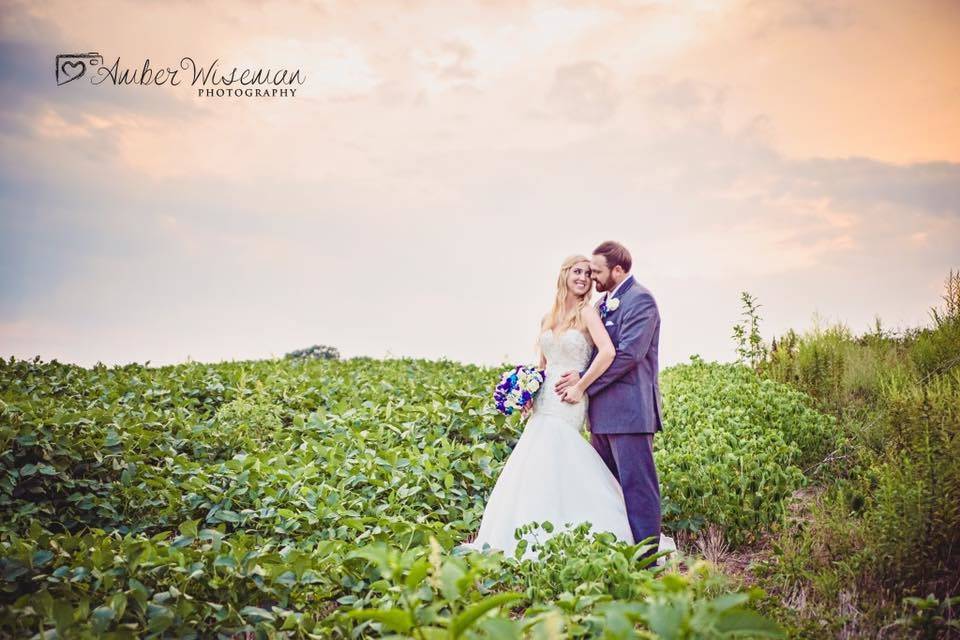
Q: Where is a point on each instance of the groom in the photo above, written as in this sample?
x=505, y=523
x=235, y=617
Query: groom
x=624, y=407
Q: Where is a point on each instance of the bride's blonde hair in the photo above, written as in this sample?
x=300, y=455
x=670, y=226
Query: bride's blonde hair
x=559, y=319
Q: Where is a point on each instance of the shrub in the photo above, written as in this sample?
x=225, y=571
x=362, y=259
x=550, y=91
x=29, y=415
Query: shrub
x=317, y=351
x=733, y=447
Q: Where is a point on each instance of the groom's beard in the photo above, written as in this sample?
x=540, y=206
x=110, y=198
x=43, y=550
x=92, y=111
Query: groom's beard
x=605, y=286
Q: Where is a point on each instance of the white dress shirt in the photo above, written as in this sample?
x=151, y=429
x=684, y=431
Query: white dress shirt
x=610, y=294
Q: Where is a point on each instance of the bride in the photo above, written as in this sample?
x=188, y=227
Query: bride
x=553, y=473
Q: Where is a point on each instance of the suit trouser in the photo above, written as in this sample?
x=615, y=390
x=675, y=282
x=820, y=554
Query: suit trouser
x=629, y=456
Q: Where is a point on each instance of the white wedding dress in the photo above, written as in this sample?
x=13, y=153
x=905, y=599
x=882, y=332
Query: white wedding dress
x=553, y=473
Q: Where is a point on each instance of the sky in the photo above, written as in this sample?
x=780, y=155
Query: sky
x=418, y=194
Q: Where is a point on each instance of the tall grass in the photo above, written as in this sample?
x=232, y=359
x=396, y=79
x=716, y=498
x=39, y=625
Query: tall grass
x=885, y=527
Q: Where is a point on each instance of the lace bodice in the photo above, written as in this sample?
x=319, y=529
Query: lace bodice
x=568, y=351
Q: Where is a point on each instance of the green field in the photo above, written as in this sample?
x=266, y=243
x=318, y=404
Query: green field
x=323, y=498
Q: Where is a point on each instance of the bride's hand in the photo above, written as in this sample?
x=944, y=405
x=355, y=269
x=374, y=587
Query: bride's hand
x=573, y=394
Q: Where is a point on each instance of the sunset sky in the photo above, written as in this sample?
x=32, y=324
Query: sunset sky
x=418, y=194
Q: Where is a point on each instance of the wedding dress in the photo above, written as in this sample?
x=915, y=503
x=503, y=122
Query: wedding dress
x=553, y=473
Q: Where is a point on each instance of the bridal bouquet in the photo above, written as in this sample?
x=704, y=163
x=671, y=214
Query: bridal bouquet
x=517, y=387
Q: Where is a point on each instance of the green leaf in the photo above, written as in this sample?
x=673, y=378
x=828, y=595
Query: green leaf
x=119, y=604
x=256, y=614
x=13, y=569
x=470, y=615
x=102, y=616
x=665, y=619
x=287, y=579
x=450, y=575
x=736, y=621
x=394, y=619
x=189, y=528
x=225, y=515
x=418, y=571
x=728, y=601
x=501, y=629
x=520, y=549
x=139, y=591
x=62, y=616
x=182, y=541
x=41, y=558
x=291, y=622
x=376, y=553
x=159, y=618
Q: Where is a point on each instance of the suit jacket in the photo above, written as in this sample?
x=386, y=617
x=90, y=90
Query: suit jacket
x=626, y=397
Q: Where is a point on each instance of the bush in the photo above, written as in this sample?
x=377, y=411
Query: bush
x=733, y=447
x=317, y=351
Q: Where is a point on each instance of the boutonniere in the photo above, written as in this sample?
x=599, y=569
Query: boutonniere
x=608, y=306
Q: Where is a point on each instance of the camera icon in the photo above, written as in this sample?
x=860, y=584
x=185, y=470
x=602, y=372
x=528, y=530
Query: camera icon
x=71, y=66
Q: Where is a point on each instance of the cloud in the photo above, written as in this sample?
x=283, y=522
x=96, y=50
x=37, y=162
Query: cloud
x=933, y=187
x=830, y=15
x=449, y=61
x=584, y=92
x=419, y=195
x=682, y=95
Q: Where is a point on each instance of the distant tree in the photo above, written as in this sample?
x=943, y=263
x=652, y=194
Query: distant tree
x=316, y=352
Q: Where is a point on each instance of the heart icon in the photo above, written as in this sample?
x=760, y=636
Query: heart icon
x=71, y=70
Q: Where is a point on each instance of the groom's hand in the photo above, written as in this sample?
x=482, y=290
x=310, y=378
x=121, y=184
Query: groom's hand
x=568, y=379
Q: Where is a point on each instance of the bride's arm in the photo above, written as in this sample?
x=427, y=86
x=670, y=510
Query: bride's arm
x=605, y=354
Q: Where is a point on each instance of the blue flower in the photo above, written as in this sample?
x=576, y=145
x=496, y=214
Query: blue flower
x=512, y=393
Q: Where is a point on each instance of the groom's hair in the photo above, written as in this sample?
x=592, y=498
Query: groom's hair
x=615, y=254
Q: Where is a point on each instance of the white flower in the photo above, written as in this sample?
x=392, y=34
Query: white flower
x=612, y=304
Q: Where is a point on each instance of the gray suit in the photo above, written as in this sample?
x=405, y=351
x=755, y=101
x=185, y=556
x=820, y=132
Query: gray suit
x=625, y=403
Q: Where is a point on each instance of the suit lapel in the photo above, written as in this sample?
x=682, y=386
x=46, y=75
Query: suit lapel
x=623, y=289
x=625, y=286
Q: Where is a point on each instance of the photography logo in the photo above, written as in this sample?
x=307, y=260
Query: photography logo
x=209, y=80
x=72, y=66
